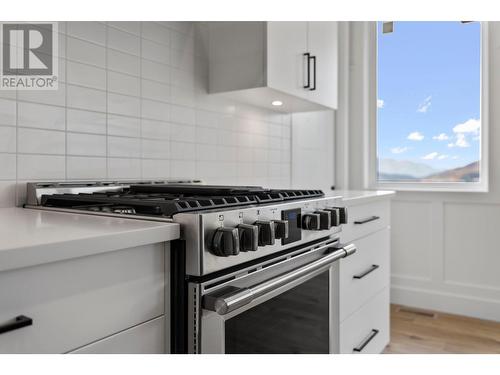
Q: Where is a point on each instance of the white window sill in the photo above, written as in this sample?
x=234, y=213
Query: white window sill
x=457, y=187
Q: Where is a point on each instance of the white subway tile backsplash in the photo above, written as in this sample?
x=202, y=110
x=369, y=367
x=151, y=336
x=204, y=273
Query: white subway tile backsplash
x=123, y=168
x=132, y=27
x=86, y=98
x=38, y=141
x=85, y=168
x=155, y=51
x=123, y=62
x=155, y=149
x=86, y=75
x=155, y=32
x=124, y=147
x=155, y=71
x=85, y=121
x=155, y=129
x=7, y=112
x=182, y=115
x=7, y=139
x=123, y=84
x=7, y=166
x=155, y=168
x=85, y=52
x=132, y=103
x=123, y=41
x=155, y=110
x=40, y=167
x=124, y=105
x=86, y=144
x=52, y=97
x=7, y=193
x=182, y=133
x=124, y=126
x=155, y=91
x=41, y=116
x=90, y=31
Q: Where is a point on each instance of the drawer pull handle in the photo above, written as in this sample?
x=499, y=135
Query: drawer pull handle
x=367, y=272
x=366, y=341
x=19, y=322
x=367, y=220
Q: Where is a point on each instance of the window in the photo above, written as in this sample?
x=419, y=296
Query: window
x=429, y=106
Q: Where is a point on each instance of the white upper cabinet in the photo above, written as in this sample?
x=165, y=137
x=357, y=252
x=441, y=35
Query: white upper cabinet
x=261, y=62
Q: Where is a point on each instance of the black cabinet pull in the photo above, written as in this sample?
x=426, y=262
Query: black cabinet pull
x=368, y=271
x=366, y=341
x=308, y=57
x=313, y=58
x=18, y=322
x=367, y=220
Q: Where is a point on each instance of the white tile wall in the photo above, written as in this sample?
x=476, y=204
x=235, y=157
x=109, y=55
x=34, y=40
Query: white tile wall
x=133, y=104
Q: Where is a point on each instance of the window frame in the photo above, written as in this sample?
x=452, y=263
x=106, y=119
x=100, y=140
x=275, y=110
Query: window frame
x=370, y=111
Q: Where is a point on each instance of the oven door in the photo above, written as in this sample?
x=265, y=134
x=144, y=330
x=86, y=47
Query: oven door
x=285, y=305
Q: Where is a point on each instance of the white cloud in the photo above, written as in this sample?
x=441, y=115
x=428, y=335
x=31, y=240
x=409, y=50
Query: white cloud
x=430, y=156
x=415, y=136
x=455, y=157
x=470, y=126
x=380, y=103
x=399, y=150
x=441, y=137
x=461, y=141
x=424, y=106
x=442, y=157
x=450, y=145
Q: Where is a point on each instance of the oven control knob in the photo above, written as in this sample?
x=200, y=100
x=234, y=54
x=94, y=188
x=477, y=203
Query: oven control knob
x=311, y=221
x=334, y=215
x=249, y=237
x=281, y=229
x=266, y=232
x=342, y=214
x=325, y=221
x=226, y=242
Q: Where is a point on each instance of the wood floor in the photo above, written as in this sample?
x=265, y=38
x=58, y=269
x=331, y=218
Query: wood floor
x=424, y=332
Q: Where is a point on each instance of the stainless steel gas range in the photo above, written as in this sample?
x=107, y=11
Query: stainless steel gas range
x=255, y=270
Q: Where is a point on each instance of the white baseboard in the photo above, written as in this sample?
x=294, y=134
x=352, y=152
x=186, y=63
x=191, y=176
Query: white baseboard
x=446, y=302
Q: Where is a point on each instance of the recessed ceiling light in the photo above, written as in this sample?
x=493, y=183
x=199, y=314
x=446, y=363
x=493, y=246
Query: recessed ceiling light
x=277, y=103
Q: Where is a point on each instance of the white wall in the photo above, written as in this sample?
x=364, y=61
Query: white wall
x=445, y=246
x=132, y=104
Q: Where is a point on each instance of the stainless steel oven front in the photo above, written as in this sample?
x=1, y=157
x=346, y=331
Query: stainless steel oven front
x=285, y=304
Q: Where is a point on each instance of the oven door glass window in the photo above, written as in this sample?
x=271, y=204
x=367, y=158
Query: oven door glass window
x=296, y=321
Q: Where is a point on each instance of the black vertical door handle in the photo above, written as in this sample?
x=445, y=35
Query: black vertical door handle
x=18, y=322
x=308, y=57
x=313, y=58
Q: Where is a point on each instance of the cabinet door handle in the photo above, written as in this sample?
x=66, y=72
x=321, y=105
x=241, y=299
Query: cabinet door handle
x=366, y=341
x=18, y=322
x=313, y=58
x=308, y=58
x=367, y=220
x=367, y=272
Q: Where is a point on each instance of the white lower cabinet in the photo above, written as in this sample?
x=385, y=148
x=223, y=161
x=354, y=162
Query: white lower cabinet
x=364, y=279
x=367, y=330
x=79, y=301
x=146, y=338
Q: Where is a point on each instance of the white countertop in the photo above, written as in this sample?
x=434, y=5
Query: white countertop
x=361, y=196
x=29, y=237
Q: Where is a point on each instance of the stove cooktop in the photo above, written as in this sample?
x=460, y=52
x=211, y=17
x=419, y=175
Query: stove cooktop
x=170, y=199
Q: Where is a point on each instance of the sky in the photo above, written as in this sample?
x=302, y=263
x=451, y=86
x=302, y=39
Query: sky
x=429, y=93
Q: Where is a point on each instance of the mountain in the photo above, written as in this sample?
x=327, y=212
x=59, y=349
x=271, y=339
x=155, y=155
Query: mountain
x=468, y=173
x=391, y=169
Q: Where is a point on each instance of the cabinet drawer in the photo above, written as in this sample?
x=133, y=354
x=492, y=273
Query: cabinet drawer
x=79, y=301
x=365, y=219
x=367, y=330
x=146, y=338
x=364, y=273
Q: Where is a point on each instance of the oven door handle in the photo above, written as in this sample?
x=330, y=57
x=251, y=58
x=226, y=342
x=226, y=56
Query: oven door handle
x=233, y=298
